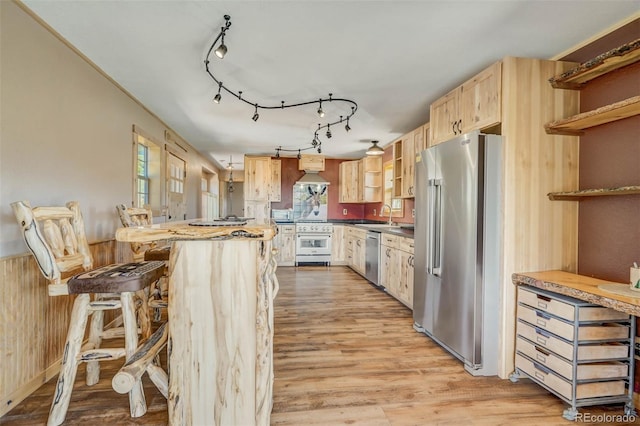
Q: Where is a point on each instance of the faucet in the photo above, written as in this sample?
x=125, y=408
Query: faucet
x=390, y=212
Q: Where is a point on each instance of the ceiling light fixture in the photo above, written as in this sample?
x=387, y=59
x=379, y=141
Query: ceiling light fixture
x=374, y=149
x=217, y=97
x=222, y=50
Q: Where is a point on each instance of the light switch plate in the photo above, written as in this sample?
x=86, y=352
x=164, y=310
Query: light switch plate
x=344, y=212
x=413, y=212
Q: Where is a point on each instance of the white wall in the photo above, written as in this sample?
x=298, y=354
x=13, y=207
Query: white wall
x=66, y=132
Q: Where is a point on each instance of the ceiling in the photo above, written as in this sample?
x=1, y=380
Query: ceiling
x=393, y=58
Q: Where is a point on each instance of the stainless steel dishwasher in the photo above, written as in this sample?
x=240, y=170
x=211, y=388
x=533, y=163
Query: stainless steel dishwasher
x=372, y=257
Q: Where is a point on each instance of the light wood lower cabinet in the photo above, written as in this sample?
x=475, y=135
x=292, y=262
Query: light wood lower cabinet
x=583, y=353
x=285, y=242
x=356, y=248
x=338, y=245
x=396, y=267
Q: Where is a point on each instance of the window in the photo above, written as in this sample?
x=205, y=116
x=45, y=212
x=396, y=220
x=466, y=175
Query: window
x=147, y=183
x=143, y=175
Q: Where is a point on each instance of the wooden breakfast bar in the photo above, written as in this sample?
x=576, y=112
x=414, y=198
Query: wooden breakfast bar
x=221, y=289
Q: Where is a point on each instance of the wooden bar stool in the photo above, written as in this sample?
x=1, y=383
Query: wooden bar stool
x=56, y=238
x=135, y=216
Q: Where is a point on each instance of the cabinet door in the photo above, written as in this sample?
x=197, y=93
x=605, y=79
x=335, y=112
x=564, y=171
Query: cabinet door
x=408, y=165
x=337, y=244
x=276, y=180
x=481, y=99
x=405, y=264
x=386, y=266
x=393, y=280
x=349, y=181
x=257, y=178
x=260, y=210
x=444, y=117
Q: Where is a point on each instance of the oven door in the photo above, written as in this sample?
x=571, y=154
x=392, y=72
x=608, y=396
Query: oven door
x=313, y=244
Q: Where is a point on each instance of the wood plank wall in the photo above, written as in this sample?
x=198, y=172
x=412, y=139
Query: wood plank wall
x=33, y=325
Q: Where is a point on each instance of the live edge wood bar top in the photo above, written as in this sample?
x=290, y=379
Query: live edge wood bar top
x=589, y=289
x=195, y=229
x=221, y=288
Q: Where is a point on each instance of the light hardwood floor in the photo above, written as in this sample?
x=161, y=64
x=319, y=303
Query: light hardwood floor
x=344, y=353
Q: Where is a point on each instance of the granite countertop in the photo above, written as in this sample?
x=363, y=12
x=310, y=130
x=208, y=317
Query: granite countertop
x=402, y=229
x=592, y=290
x=196, y=229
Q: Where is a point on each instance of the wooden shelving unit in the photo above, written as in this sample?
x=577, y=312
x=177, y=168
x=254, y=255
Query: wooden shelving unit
x=612, y=60
x=397, y=169
x=579, y=195
x=575, y=125
x=576, y=79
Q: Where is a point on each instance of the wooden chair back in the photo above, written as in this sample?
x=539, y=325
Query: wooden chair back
x=56, y=238
x=136, y=216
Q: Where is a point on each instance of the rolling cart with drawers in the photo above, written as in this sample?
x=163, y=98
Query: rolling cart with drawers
x=581, y=352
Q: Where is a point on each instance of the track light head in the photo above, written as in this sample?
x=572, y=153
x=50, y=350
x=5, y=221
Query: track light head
x=217, y=98
x=319, y=150
x=328, y=132
x=347, y=127
x=320, y=111
x=255, y=114
x=222, y=49
x=299, y=156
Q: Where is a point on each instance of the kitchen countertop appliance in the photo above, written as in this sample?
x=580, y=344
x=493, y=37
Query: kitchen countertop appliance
x=372, y=257
x=457, y=248
x=313, y=242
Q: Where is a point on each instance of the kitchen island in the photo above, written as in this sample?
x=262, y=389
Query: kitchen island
x=221, y=289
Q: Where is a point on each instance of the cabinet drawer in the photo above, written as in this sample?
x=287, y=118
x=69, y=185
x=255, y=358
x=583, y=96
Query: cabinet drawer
x=546, y=322
x=405, y=244
x=596, y=370
x=288, y=229
x=586, y=352
x=583, y=390
x=545, y=340
x=565, y=330
x=389, y=241
x=565, y=310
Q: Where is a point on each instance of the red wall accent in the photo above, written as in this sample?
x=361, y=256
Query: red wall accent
x=290, y=174
x=608, y=227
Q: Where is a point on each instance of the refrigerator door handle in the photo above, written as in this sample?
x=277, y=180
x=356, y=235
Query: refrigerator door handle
x=435, y=224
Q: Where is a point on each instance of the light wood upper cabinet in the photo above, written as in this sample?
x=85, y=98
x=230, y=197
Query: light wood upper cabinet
x=276, y=180
x=348, y=190
x=481, y=99
x=444, y=117
x=476, y=104
x=371, y=178
x=311, y=162
x=408, y=165
x=257, y=178
x=361, y=180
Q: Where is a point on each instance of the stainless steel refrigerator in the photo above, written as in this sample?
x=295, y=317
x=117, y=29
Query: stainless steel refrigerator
x=457, y=248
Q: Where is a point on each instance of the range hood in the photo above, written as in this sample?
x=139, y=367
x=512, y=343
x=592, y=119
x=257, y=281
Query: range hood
x=312, y=177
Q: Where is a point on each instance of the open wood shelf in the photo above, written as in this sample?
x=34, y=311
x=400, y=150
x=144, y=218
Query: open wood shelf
x=600, y=192
x=606, y=114
x=619, y=57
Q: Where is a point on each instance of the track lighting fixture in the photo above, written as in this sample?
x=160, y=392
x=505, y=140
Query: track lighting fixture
x=374, y=149
x=299, y=156
x=217, y=97
x=222, y=50
x=320, y=111
x=277, y=152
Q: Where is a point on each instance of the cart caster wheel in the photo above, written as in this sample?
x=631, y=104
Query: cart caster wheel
x=514, y=377
x=570, y=414
x=629, y=409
